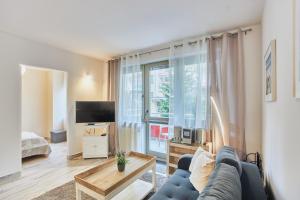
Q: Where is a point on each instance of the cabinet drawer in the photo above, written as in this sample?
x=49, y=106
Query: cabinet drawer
x=95, y=146
x=100, y=150
x=99, y=146
x=95, y=140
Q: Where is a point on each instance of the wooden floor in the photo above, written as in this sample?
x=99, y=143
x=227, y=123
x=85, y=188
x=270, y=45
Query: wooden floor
x=42, y=174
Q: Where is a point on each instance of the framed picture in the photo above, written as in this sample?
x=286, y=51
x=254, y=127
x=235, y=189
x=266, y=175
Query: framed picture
x=296, y=75
x=270, y=72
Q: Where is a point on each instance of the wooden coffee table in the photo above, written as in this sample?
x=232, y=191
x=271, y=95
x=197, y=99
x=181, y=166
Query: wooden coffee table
x=106, y=182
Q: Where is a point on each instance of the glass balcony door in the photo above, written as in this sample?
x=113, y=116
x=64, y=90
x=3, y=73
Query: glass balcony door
x=157, y=90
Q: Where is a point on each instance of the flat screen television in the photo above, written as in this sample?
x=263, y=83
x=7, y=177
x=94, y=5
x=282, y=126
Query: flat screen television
x=95, y=111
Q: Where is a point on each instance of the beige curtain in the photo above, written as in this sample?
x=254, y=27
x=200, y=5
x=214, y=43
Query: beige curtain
x=113, y=95
x=227, y=89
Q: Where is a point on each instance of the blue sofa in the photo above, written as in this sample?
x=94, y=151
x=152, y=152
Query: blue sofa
x=249, y=182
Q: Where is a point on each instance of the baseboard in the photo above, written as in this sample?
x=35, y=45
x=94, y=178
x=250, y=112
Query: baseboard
x=10, y=178
x=71, y=157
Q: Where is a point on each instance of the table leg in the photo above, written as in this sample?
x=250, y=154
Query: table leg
x=78, y=193
x=154, y=177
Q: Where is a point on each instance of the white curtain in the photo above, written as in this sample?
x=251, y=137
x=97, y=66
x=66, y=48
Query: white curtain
x=189, y=98
x=130, y=120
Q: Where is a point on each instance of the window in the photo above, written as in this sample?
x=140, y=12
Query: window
x=189, y=100
x=159, y=85
x=193, y=82
x=132, y=89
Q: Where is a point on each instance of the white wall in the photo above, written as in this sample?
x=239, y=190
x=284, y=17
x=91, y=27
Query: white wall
x=281, y=119
x=44, y=100
x=59, y=100
x=253, y=81
x=36, y=88
x=15, y=51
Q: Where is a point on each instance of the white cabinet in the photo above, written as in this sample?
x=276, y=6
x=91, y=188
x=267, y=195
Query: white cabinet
x=95, y=141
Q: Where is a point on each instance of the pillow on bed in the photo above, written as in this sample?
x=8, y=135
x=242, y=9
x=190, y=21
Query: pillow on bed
x=28, y=135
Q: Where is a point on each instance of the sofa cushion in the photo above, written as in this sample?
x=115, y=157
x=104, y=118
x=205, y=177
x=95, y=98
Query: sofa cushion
x=177, y=187
x=228, y=156
x=223, y=184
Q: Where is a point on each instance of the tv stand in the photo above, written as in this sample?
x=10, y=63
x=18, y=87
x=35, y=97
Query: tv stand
x=95, y=141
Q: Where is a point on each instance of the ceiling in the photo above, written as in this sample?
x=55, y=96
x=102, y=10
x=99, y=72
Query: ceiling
x=106, y=28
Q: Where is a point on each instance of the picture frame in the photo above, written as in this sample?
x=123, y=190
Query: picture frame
x=270, y=72
x=296, y=67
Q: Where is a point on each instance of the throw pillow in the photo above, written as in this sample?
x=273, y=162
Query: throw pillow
x=199, y=151
x=201, y=171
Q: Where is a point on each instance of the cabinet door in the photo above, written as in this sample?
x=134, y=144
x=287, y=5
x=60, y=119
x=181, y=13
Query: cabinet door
x=87, y=149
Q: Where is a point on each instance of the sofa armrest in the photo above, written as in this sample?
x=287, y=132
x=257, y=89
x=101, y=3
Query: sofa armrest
x=185, y=161
x=252, y=185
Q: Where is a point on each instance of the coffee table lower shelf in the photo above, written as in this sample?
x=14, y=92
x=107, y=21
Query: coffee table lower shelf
x=136, y=190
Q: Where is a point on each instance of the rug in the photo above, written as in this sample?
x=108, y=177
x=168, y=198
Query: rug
x=67, y=191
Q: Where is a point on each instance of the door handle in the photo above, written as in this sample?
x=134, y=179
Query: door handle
x=146, y=117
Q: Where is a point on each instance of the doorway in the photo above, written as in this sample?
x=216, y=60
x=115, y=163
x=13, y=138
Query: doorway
x=44, y=113
x=157, y=91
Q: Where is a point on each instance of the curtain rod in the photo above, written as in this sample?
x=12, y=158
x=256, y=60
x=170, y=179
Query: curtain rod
x=213, y=36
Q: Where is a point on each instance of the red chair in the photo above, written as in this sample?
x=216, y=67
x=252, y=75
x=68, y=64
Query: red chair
x=155, y=131
x=164, y=133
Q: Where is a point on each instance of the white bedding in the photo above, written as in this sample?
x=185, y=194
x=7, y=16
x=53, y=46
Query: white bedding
x=32, y=144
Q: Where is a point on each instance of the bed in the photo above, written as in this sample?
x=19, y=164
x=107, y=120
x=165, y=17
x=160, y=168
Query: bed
x=32, y=145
